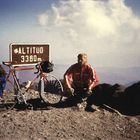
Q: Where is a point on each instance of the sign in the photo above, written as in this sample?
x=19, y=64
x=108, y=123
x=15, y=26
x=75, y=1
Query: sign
x=26, y=54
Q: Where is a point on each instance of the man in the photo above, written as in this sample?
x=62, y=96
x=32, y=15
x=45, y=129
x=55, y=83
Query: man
x=2, y=81
x=80, y=79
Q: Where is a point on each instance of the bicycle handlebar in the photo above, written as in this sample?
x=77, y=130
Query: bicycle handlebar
x=9, y=63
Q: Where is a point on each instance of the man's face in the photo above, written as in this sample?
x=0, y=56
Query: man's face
x=82, y=60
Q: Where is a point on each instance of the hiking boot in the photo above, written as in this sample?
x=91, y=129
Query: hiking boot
x=89, y=109
x=1, y=100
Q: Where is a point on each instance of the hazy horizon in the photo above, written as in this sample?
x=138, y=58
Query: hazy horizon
x=110, y=75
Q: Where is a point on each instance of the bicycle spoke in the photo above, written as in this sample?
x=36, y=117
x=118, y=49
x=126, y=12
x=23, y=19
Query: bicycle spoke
x=52, y=90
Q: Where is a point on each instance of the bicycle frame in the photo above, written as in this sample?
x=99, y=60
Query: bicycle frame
x=12, y=72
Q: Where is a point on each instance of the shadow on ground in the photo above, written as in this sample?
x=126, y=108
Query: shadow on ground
x=125, y=100
x=37, y=104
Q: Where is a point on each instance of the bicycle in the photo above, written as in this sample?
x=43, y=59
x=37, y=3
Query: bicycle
x=49, y=88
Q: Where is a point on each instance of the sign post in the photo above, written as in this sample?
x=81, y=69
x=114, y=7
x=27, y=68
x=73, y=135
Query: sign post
x=28, y=54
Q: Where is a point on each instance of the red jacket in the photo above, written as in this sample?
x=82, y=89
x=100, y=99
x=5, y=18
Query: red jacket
x=80, y=77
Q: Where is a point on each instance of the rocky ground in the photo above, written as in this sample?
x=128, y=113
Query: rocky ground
x=68, y=123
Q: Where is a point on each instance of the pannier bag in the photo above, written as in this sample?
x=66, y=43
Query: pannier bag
x=47, y=66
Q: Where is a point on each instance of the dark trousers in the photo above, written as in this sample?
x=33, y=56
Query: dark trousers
x=79, y=96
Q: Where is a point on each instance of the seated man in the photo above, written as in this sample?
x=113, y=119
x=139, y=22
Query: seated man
x=2, y=81
x=80, y=79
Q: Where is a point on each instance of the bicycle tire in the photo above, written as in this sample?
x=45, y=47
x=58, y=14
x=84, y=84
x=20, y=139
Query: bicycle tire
x=50, y=89
x=9, y=95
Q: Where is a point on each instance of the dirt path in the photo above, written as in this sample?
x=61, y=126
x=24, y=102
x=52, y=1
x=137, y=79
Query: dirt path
x=67, y=124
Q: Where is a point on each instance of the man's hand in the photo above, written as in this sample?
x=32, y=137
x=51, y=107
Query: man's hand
x=89, y=92
x=71, y=91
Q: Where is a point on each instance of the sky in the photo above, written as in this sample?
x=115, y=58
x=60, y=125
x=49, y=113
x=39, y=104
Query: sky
x=107, y=30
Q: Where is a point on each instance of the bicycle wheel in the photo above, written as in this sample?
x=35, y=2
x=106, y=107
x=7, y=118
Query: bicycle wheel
x=9, y=95
x=50, y=89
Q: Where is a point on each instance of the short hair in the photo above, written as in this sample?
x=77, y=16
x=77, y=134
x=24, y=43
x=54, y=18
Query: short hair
x=82, y=55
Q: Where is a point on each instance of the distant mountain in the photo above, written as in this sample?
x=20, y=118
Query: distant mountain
x=110, y=75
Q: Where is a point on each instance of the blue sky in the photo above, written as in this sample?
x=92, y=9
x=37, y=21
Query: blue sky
x=18, y=16
x=134, y=4
x=21, y=22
